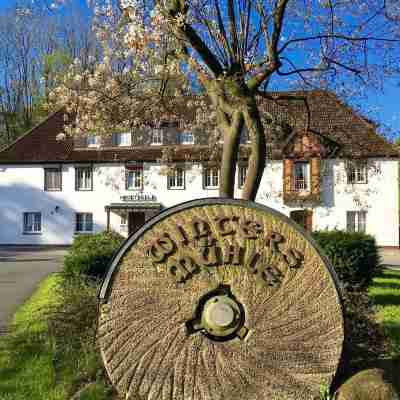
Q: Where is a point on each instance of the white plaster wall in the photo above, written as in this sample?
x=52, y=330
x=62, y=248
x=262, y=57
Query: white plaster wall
x=21, y=190
x=379, y=197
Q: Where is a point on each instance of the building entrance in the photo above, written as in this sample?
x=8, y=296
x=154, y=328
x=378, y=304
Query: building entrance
x=135, y=220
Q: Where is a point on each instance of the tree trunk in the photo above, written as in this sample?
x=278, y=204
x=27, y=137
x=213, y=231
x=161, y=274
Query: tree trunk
x=230, y=151
x=256, y=164
x=237, y=107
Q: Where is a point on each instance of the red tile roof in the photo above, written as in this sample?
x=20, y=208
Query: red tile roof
x=39, y=144
x=330, y=118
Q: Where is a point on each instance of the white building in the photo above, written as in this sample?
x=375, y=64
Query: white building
x=336, y=174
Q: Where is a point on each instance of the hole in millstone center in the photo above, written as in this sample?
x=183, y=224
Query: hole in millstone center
x=219, y=316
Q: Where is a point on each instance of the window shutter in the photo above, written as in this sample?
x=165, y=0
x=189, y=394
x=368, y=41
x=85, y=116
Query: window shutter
x=348, y=168
x=309, y=215
x=76, y=179
x=45, y=179
x=287, y=176
x=315, y=177
x=126, y=178
x=91, y=177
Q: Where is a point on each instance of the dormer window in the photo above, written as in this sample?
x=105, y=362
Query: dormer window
x=157, y=137
x=93, y=141
x=301, y=177
x=186, y=138
x=122, y=139
x=302, y=180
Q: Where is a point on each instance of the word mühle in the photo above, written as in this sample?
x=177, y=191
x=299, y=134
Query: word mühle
x=189, y=248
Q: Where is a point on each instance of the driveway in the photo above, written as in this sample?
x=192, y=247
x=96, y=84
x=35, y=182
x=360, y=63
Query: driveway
x=21, y=270
x=390, y=257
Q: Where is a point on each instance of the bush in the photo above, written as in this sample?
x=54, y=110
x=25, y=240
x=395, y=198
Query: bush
x=91, y=254
x=354, y=256
x=355, y=259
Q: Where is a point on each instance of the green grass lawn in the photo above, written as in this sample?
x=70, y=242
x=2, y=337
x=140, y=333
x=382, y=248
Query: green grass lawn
x=385, y=292
x=30, y=366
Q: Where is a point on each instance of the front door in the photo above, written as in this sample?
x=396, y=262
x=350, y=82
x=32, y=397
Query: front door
x=135, y=221
x=303, y=218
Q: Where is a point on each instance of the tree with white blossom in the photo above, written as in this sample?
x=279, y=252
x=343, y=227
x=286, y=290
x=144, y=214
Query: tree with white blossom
x=209, y=63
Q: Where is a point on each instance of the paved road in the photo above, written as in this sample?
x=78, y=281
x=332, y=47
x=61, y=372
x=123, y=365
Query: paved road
x=390, y=257
x=20, y=273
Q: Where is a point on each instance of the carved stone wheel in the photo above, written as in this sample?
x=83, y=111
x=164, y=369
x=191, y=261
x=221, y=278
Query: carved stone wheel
x=220, y=299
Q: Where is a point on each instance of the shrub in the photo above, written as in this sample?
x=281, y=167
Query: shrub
x=91, y=254
x=354, y=256
x=355, y=259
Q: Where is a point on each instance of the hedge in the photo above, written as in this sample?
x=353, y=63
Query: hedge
x=354, y=256
x=90, y=254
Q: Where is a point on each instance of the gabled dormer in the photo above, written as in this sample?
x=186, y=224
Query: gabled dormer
x=302, y=154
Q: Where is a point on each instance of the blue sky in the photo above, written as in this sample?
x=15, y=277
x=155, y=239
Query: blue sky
x=386, y=103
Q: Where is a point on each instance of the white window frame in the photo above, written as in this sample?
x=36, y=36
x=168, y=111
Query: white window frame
x=186, y=137
x=176, y=179
x=122, y=139
x=87, y=176
x=35, y=225
x=47, y=188
x=157, y=137
x=242, y=172
x=301, y=185
x=124, y=220
x=93, y=141
x=137, y=179
x=356, y=221
x=211, y=178
x=85, y=223
x=356, y=173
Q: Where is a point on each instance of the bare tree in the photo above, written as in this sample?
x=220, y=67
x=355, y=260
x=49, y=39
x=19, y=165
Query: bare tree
x=37, y=43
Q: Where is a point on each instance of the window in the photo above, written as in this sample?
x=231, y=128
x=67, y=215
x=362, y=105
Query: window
x=52, y=179
x=356, y=173
x=124, y=220
x=122, y=139
x=157, y=137
x=83, y=222
x=242, y=175
x=176, y=179
x=211, y=178
x=134, y=177
x=32, y=222
x=356, y=221
x=83, y=178
x=301, y=176
x=93, y=141
x=186, y=138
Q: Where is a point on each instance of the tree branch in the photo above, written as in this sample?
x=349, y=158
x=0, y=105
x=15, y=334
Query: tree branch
x=273, y=60
x=233, y=31
x=336, y=36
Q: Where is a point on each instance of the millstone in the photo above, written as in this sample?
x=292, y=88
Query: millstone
x=220, y=299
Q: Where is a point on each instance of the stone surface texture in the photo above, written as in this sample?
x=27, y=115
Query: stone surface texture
x=292, y=311
x=367, y=385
